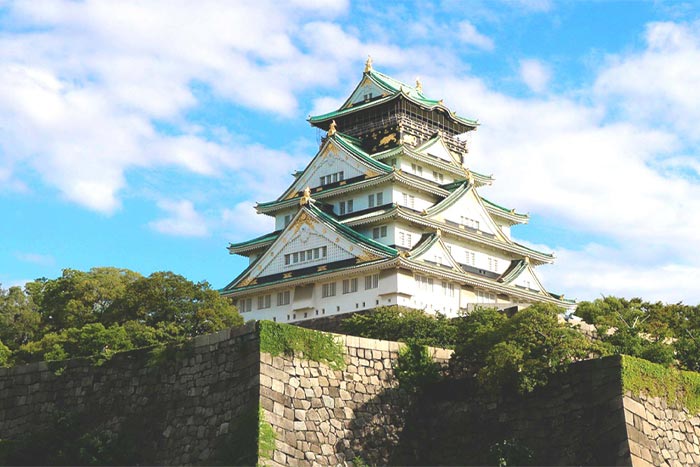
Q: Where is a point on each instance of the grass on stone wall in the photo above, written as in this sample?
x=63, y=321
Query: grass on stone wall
x=678, y=387
x=266, y=438
x=284, y=339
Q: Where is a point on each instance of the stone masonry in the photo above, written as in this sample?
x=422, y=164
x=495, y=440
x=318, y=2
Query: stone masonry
x=199, y=405
x=660, y=434
x=329, y=417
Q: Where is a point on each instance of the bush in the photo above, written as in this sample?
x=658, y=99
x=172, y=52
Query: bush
x=396, y=323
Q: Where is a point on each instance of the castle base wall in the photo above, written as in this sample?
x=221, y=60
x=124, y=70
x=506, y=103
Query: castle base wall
x=218, y=400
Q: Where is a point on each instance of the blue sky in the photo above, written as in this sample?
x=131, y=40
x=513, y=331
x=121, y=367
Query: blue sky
x=139, y=134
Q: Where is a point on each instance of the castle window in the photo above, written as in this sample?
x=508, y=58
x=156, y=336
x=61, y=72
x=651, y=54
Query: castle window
x=468, y=222
x=332, y=178
x=287, y=219
x=305, y=255
x=245, y=305
x=470, y=258
x=379, y=232
x=328, y=290
x=283, y=298
x=448, y=288
x=264, y=302
x=341, y=208
x=349, y=285
x=424, y=282
x=371, y=282
x=349, y=204
x=380, y=199
x=437, y=176
x=370, y=200
x=485, y=297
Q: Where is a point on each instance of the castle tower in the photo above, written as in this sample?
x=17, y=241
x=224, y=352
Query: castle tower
x=387, y=213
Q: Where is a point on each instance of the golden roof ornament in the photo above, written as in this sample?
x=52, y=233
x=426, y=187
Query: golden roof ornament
x=332, y=128
x=419, y=85
x=306, y=197
x=368, y=64
x=438, y=232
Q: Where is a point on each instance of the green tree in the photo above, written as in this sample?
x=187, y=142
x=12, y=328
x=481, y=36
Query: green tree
x=106, y=310
x=634, y=327
x=520, y=352
x=397, y=323
x=78, y=297
x=165, y=297
x=19, y=317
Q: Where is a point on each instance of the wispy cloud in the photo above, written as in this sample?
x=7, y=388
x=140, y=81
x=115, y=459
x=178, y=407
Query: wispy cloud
x=535, y=74
x=36, y=258
x=469, y=35
x=182, y=220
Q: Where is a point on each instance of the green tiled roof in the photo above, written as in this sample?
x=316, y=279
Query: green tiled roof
x=349, y=232
x=257, y=240
x=395, y=89
x=351, y=146
x=335, y=226
x=501, y=208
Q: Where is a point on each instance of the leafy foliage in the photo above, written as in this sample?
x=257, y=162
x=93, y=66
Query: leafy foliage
x=520, y=352
x=284, y=339
x=396, y=323
x=654, y=331
x=415, y=367
x=106, y=310
x=676, y=386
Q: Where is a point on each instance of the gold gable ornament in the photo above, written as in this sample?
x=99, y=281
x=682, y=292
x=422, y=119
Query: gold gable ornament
x=306, y=197
x=368, y=64
x=332, y=128
x=419, y=85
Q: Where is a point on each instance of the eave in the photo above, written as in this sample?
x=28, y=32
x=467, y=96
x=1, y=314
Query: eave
x=345, y=143
x=323, y=121
x=461, y=232
x=321, y=193
x=254, y=244
x=457, y=170
x=481, y=282
x=504, y=213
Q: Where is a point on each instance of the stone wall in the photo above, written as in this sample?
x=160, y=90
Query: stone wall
x=576, y=420
x=201, y=404
x=168, y=406
x=660, y=434
x=328, y=417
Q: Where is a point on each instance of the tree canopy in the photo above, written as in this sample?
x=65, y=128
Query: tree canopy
x=661, y=333
x=105, y=310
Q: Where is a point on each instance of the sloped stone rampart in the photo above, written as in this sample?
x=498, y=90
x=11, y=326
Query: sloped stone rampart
x=169, y=406
x=660, y=434
x=329, y=417
x=195, y=405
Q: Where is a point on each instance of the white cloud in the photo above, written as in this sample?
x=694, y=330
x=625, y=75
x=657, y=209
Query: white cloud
x=36, y=258
x=183, y=220
x=469, y=35
x=596, y=271
x=242, y=222
x=660, y=85
x=535, y=74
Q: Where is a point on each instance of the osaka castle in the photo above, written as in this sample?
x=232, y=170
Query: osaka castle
x=388, y=212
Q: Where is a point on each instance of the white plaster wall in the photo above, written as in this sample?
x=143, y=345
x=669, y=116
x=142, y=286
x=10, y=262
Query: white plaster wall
x=469, y=207
x=481, y=256
x=314, y=240
x=420, y=200
x=279, y=217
